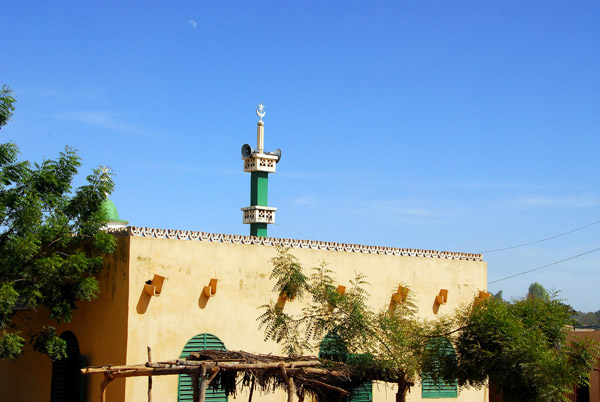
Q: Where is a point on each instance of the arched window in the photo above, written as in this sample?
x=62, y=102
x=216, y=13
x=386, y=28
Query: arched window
x=439, y=388
x=333, y=348
x=67, y=380
x=184, y=389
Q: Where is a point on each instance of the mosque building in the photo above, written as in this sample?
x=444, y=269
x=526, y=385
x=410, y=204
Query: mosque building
x=176, y=291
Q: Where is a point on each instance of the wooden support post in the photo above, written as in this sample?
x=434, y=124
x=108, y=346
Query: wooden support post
x=291, y=390
x=107, y=379
x=195, y=387
x=149, y=377
x=289, y=381
x=203, y=385
x=215, y=371
x=252, y=388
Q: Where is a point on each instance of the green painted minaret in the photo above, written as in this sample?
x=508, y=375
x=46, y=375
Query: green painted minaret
x=259, y=163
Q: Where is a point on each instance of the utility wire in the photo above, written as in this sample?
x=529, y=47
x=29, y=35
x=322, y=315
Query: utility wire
x=544, y=266
x=542, y=240
x=294, y=231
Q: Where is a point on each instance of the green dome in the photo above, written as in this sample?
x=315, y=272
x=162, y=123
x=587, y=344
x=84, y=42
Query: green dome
x=110, y=209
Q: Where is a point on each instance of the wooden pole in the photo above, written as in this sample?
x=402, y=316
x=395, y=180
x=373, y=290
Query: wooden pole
x=107, y=379
x=290, y=383
x=183, y=365
x=215, y=371
x=291, y=387
x=324, y=385
x=195, y=386
x=238, y=364
x=203, y=385
x=149, y=377
x=142, y=371
x=252, y=388
x=291, y=390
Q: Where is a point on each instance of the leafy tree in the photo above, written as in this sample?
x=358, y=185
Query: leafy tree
x=387, y=345
x=537, y=291
x=591, y=319
x=521, y=348
x=6, y=105
x=51, y=242
x=498, y=295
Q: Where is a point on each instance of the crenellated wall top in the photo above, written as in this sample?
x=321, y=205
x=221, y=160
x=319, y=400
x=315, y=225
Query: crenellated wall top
x=134, y=231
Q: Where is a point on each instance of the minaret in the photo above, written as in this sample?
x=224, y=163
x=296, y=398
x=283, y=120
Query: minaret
x=259, y=163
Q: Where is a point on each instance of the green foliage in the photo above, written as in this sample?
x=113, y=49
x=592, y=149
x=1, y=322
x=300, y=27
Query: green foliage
x=11, y=344
x=377, y=345
x=537, y=291
x=290, y=280
x=6, y=105
x=326, y=311
x=51, y=242
x=590, y=319
x=521, y=347
x=48, y=342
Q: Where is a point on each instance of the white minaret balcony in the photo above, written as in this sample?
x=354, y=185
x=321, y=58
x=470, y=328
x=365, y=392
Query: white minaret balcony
x=259, y=214
x=259, y=162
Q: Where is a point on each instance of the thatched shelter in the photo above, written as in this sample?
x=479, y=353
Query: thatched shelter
x=232, y=371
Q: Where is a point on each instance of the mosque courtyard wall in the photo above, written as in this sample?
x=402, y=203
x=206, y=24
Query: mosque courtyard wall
x=118, y=327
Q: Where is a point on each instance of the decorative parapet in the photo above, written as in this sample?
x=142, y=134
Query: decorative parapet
x=260, y=162
x=259, y=214
x=134, y=231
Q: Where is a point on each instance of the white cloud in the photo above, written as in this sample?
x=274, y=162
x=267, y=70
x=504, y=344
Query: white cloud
x=565, y=201
x=105, y=120
x=401, y=207
x=397, y=212
x=193, y=24
x=304, y=201
x=65, y=94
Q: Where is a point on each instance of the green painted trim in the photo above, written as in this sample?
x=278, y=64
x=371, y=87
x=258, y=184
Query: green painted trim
x=258, y=229
x=259, y=188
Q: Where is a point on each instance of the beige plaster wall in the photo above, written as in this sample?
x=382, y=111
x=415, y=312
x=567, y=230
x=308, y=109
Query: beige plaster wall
x=167, y=322
x=595, y=374
x=100, y=327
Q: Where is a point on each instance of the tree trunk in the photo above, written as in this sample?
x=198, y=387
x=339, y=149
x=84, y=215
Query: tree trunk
x=403, y=387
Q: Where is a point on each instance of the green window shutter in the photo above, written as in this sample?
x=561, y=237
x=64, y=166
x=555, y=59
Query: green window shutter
x=364, y=393
x=333, y=348
x=184, y=388
x=438, y=389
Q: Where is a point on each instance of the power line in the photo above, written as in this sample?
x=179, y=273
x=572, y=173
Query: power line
x=542, y=240
x=544, y=266
x=294, y=231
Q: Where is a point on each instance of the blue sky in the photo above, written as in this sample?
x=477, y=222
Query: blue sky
x=447, y=125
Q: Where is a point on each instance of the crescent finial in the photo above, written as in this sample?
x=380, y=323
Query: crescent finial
x=260, y=112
